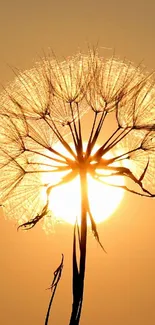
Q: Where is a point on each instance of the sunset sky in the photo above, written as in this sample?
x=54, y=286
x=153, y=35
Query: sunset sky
x=120, y=285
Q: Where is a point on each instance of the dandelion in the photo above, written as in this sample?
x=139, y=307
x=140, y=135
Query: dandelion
x=42, y=108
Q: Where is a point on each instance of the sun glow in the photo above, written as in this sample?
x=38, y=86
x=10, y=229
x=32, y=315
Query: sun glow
x=65, y=200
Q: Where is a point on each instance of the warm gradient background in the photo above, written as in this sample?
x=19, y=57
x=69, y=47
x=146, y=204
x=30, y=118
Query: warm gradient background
x=120, y=286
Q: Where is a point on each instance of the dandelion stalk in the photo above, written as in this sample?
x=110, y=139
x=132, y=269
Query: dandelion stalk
x=79, y=271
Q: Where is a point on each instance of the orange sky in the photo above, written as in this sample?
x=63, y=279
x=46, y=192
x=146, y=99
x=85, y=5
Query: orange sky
x=120, y=285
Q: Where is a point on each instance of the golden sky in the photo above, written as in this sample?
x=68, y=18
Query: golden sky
x=120, y=285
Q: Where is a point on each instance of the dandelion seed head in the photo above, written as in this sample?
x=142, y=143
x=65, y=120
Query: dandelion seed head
x=46, y=103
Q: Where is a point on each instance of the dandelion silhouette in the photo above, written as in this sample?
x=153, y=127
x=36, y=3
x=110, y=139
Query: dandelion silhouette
x=45, y=105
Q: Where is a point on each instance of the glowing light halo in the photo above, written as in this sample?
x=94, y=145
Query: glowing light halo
x=65, y=201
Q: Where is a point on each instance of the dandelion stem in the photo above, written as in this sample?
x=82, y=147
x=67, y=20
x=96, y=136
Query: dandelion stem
x=78, y=285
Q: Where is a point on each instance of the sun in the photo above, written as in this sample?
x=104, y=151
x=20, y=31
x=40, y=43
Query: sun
x=65, y=202
x=104, y=199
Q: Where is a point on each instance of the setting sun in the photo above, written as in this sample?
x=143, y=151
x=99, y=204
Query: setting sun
x=104, y=199
x=65, y=201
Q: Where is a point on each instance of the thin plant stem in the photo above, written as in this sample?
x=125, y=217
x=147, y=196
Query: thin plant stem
x=53, y=287
x=78, y=285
